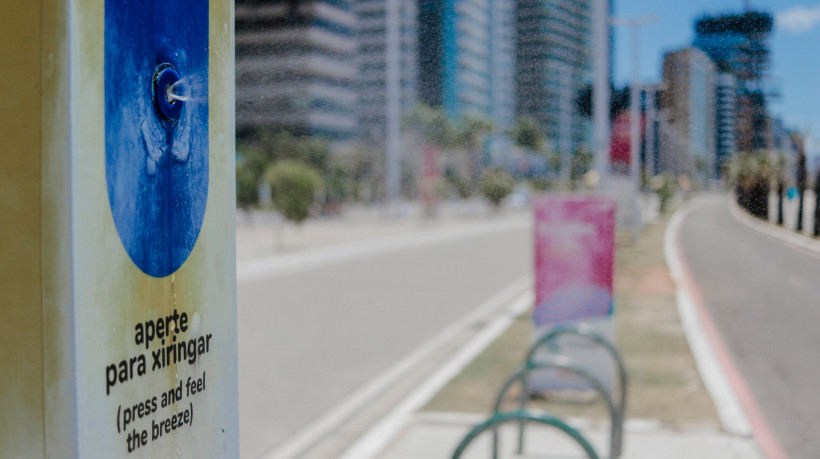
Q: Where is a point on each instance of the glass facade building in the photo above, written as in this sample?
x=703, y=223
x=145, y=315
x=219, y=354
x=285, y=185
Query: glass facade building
x=377, y=95
x=738, y=44
x=553, y=67
x=295, y=67
x=725, y=118
x=456, y=56
x=502, y=63
x=689, y=105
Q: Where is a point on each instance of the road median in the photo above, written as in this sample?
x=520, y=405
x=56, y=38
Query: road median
x=665, y=385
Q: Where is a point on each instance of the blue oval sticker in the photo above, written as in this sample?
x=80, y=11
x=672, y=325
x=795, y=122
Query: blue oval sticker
x=156, y=165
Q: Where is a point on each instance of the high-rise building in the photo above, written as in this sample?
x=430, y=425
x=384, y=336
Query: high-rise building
x=295, y=67
x=387, y=62
x=688, y=103
x=502, y=63
x=725, y=118
x=553, y=45
x=455, y=56
x=737, y=43
x=652, y=125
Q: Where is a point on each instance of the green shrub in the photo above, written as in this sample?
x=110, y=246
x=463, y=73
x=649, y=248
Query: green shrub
x=665, y=186
x=495, y=185
x=250, y=164
x=751, y=174
x=293, y=186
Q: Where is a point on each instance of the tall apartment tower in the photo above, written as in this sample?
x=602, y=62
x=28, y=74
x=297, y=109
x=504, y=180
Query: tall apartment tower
x=455, y=56
x=738, y=44
x=725, y=118
x=502, y=63
x=387, y=63
x=689, y=106
x=295, y=67
x=553, y=46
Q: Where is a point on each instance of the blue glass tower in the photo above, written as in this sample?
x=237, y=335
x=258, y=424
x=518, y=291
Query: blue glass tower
x=737, y=43
x=553, y=67
x=460, y=42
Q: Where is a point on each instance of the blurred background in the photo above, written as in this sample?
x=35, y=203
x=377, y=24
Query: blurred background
x=417, y=100
x=388, y=152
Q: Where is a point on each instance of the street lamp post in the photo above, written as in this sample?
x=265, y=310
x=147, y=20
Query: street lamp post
x=393, y=105
x=650, y=134
x=634, y=109
x=600, y=107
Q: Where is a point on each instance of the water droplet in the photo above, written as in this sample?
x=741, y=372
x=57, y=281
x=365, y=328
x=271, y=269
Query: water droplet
x=189, y=88
x=154, y=142
x=182, y=141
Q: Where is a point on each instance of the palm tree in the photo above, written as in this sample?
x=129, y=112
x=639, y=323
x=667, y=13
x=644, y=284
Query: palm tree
x=528, y=135
x=470, y=134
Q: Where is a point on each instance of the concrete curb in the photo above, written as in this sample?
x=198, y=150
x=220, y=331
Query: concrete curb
x=712, y=372
x=790, y=238
x=380, y=435
x=259, y=269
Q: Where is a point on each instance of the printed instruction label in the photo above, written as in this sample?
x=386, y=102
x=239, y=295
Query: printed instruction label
x=161, y=343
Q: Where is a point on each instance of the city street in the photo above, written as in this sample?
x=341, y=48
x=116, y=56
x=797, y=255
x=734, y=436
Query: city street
x=311, y=335
x=762, y=295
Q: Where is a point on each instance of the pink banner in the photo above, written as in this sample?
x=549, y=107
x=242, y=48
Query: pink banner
x=574, y=256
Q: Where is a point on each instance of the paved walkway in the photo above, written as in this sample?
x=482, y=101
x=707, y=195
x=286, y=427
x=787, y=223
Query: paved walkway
x=436, y=435
x=262, y=234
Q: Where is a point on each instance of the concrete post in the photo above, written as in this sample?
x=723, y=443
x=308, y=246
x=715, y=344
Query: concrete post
x=117, y=238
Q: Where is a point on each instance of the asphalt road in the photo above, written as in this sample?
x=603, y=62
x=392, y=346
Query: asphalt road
x=309, y=338
x=764, y=297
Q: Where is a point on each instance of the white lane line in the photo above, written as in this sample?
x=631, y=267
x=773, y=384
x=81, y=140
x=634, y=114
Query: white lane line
x=377, y=438
x=336, y=417
x=264, y=268
x=730, y=411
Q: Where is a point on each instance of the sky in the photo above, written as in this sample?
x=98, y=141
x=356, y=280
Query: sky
x=794, y=45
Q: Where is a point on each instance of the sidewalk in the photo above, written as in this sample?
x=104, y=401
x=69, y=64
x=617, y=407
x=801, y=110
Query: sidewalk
x=262, y=234
x=435, y=435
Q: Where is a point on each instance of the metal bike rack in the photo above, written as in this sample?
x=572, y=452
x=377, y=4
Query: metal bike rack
x=584, y=331
x=556, y=362
x=524, y=416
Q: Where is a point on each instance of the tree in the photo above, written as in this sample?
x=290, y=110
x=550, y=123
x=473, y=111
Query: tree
x=495, y=185
x=471, y=131
x=362, y=168
x=802, y=176
x=293, y=188
x=269, y=147
x=250, y=165
x=665, y=186
x=434, y=132
x=528, y=135
x=282, y=145
x=751, y=174
x=817, y=205
x=580, y=163
x=431, y=125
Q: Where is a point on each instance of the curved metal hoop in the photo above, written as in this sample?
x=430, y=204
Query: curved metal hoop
x=524, y=416
x=585, y=331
